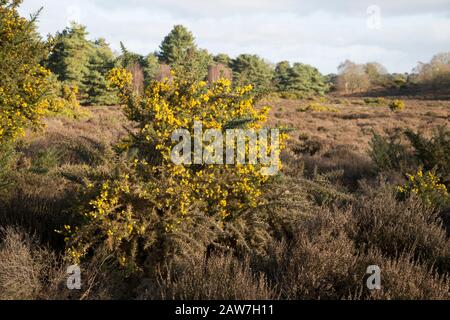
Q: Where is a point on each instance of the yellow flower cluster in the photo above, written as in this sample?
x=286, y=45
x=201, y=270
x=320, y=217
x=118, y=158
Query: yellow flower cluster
x=120, y=78
x=427, y=186
x=109, y=216
x=397, y=105
x=25, y=103
x=11, y=22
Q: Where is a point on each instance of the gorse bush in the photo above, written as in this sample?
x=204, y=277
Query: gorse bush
x=427, y=186
x=25, y=86
x=397, y=105
x=156, y=199
x=389, y=153
x=434, y=152
x=407, y=150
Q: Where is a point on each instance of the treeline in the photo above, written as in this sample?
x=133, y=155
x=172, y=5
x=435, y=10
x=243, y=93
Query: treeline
x=83, y=65
x=363, y=78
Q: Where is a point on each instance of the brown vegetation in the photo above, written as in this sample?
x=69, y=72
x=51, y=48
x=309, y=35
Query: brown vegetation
x=330, y=215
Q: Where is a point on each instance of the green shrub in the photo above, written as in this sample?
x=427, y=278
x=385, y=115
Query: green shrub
x=45, y=160
x=317, y=107
x=406, y=151
x=434, y=152
x=390, y=153
x=379, y=102
x=7, y=156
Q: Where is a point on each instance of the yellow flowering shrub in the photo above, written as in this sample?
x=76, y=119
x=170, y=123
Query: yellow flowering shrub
x=427, y=186
x=397, y=105
x=67, y=102
x=130, y=218
x=25, y=86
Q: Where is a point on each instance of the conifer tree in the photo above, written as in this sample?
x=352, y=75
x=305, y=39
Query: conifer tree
x=282, y=78
x=151, y=67
x=251, y=69
x=306, y=80
x=69, y=59
x=176, y=45
x=223, y=58
x=101, y=61
x=178, y=49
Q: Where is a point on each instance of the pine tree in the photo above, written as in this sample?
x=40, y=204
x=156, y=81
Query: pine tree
x=69, y=59
x=302, y=80
x=251, y=69
x=282, y=78
x=178, y=49
x=101, y=60
x=306, y=80
x=223, y=58
x=176, y=45
x=151, y=67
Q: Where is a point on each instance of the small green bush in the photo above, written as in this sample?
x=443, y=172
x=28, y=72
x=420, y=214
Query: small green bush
x=389, y=152
x=45, y=161
x=406, y=151
x=317, y=107
x=379, y=102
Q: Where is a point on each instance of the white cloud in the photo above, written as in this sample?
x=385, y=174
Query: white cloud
x=322, y=33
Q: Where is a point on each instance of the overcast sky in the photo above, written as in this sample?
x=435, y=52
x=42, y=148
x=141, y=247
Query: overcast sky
x=396, y=33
